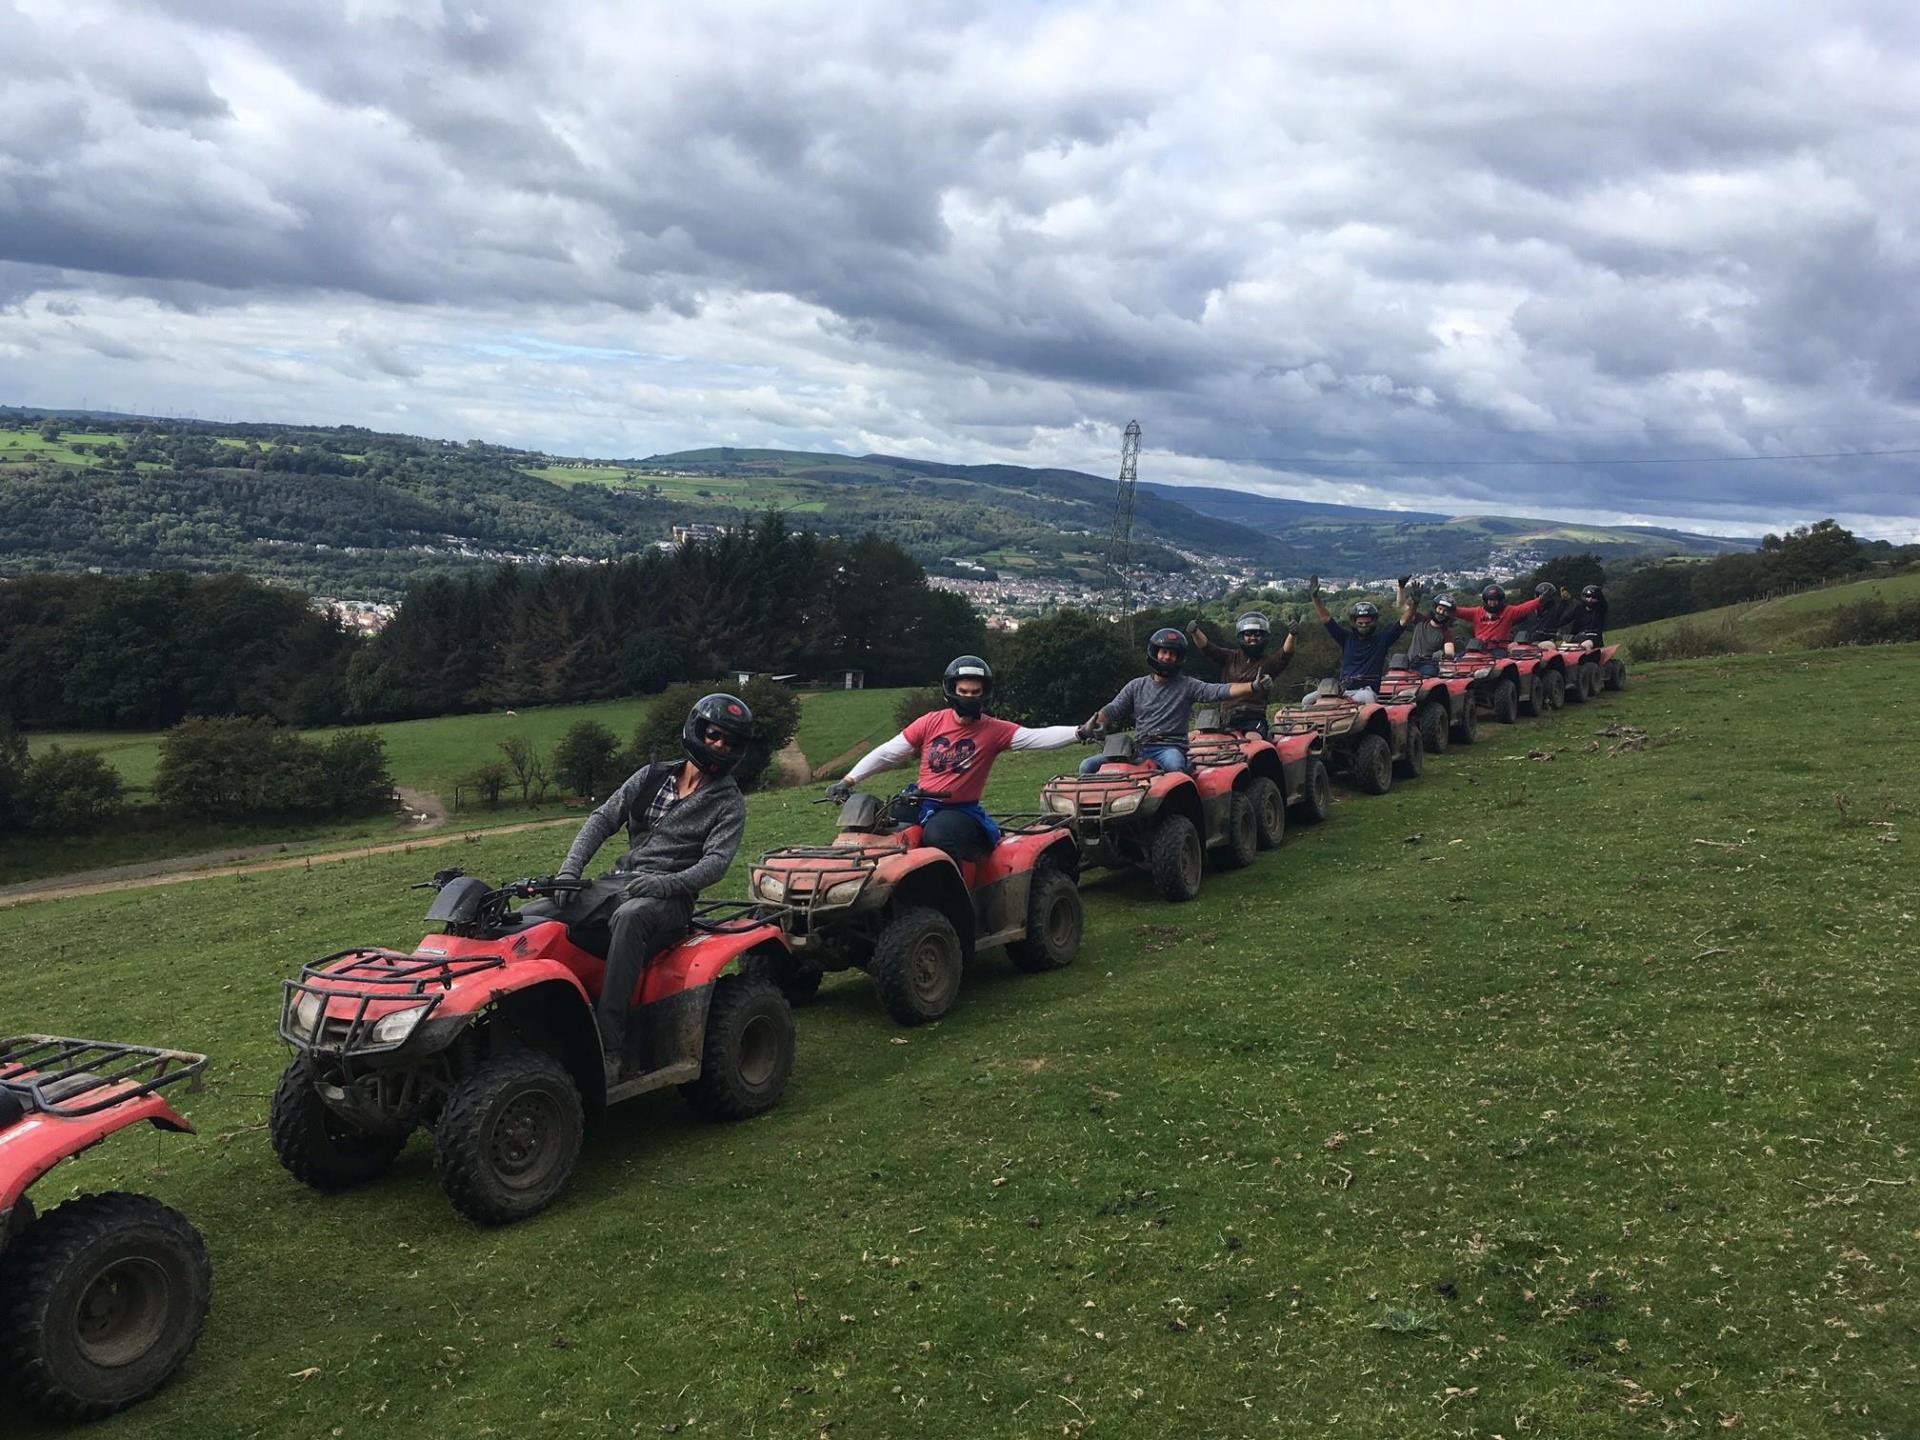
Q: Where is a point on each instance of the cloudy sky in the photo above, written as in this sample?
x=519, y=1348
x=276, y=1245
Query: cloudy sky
x=1377, y=252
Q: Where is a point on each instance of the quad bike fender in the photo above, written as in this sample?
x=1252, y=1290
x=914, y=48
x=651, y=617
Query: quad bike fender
x=702, y=958
x=1396, y=718
x=469, y=995
x=33, y=1145
x=937, y=883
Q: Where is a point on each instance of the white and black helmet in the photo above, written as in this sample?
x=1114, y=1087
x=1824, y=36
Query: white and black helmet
x=967, y=667
x=1365, y=610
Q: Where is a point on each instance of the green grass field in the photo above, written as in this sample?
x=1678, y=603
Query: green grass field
x=1784, y=623
x=17, y=446
x=1562, y=1098
x=832, y=722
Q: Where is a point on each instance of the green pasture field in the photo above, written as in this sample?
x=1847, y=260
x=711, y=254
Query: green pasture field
x=1785, y=622
x=1568, y=1097
x=833, y=722
x=18, y=445
x=735, y=491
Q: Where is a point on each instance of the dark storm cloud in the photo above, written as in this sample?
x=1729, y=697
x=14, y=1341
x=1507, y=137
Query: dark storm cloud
x=1298, y=239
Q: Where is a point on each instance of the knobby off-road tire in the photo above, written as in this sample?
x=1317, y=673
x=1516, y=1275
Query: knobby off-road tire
x=1556, y=690
x=1241, y=843
x=1534, y=700
x=748, y=1055
x=1174, y=856
x=1055, y=920
x=509, y=1137
x=1372, y=765
x=1269, y=812
x=799, y=983
x=1596, y=681
x=1506, y=702
x=18, y=1219
x=1616, y=676
x=1316, y=796
x=1576, y=691
x=102, y=1298
x=316, y=1146
x=1432, y=716
x=916, y=965
x=1413, y=764
x=1466, y=729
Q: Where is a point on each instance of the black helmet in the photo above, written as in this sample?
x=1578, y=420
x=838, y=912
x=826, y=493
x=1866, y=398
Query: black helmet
x=1365, y=610
x=1493, y=598
x=1444, y=606
x=1166, y=640
x=1255, y=624
x=967, y=667
x=730, y=716
x=1545, y=589
x=1590, y=594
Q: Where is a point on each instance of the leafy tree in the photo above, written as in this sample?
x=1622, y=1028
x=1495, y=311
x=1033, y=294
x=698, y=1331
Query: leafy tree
x=1571, y=571
x=487, y=781
x=528, y=769
x=13, y=769
x=1060, y=669
x=587, y=759
x=915, y=703
x=355, y=773
x=69, y=792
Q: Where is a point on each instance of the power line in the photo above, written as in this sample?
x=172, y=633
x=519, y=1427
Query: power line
x=1310, y=461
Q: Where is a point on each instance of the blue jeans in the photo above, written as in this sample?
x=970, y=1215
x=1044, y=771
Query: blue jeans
x=1167, y=757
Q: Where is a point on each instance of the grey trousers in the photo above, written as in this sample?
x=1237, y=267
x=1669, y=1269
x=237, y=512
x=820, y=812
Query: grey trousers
x=629, y=932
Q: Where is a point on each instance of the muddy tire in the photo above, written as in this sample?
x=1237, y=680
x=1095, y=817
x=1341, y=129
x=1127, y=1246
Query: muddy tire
x=1413, y=764
x=1055, y=922
x=1466, y=729
x=316, y=1146
x=1616, y=676
x=1576, y=691
x=1372, y=765
x=1269, y=812
x=1241, y=843
x=1533, y=694
x=1432, y=717
x=799, y=983
x=18, y=1219
x=1316, y=796
x=104, y=1298
x=916, y=965
x=1556, y=690
x=1596, y=681
x=1174, y=856
x=1506, y=702
x=748, y=1055
x=509, y=1137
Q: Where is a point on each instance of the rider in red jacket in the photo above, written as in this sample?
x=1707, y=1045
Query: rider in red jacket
x=1493, y=619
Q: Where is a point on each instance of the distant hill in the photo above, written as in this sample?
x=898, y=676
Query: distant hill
x=1346, y=539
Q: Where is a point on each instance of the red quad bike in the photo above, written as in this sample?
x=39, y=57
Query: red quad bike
x=485, y=1034
x=1295, y=766
x=1444, y=706
x=1610, y=671
x=101, y=1298
x=1130, y=812
x=1495, y=680
x=1367, y=741
x=912, y=917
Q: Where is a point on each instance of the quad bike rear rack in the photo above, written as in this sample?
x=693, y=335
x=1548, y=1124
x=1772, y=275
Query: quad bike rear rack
x=67, y=1078
x=376, y=977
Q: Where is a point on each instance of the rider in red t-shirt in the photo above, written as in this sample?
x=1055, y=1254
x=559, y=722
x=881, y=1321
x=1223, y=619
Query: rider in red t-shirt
x=956, y=746
x=1493, y=619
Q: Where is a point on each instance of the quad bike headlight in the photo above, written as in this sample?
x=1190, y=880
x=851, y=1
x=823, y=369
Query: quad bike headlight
x=1124, y=804
x=1061, y=802
x=844, y=893
x=395, y=1028
x=303, y=1014
x=769, y=886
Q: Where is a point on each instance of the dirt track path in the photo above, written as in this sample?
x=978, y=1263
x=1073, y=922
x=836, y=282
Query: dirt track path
x=794, y=769
x=186, y=868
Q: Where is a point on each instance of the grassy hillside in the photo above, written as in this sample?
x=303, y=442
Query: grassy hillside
x=1783, y=623
x=1566, y=1097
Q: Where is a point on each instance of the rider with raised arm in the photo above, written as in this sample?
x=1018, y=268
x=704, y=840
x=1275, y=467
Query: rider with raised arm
x=1493, y=618
x=957, y=747
x=1160, y=703
x=1364, y=645
x=1249, y=662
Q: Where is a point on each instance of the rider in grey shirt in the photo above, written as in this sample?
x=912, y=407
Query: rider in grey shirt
x=1160, y=704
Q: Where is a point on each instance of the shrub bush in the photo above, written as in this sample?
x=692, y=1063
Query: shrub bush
x=1687, y=641
x=487, y=781
x=234, y=765
x=915, y=703
x=587, y=760
x=68, y=792
x=1872, y=622
x=776, y=718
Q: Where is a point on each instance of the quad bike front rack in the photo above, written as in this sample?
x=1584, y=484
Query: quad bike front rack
x=375, y=977
x=67, y=1078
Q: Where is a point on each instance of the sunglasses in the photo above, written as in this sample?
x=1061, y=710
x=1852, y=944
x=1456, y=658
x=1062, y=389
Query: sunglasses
x=714, y=736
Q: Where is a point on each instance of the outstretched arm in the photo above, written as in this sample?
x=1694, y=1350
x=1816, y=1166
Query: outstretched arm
x=1044, y=737
x=888, y=755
